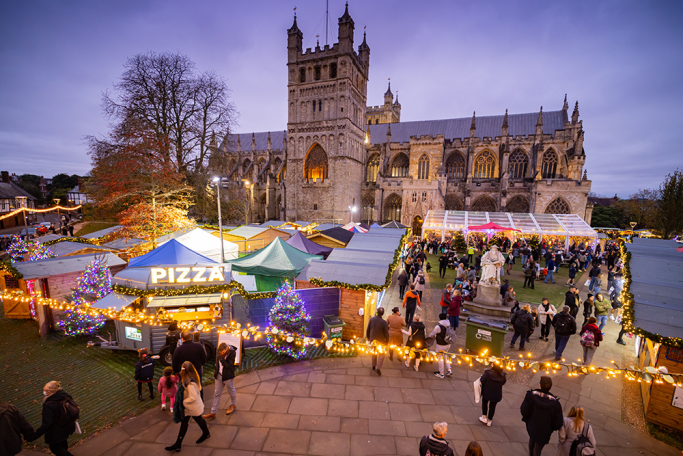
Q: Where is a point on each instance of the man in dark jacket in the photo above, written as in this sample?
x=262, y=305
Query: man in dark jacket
x=565, y=326
x=443, y=264
x=542, y=413
x=572, y=300
x=594, y=273
x=12, y=426
x=551, y=271
x=55, y=430
x=411, y=301
x=225, y=377
x=524, y=323
x=504, y=289
x=192, y=352
x=436, y=443
x=378, y=331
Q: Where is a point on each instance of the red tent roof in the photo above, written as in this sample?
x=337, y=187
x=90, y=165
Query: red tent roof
x=490, y=226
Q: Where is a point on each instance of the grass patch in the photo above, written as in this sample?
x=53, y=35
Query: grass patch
x=91, y=227
x=670, y=437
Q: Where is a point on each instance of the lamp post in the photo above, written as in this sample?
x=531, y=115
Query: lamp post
x=353, y=210
x=23, y=200
x=218, y=182
x=247, y=187
x=633, y=225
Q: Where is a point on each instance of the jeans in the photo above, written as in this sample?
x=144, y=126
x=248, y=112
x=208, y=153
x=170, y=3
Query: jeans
x=602, y=320
x=588, y=353
x=560, y=344
x=410, y=312
x=549, y=276
x=60, y=448
x=455, y=320
x=535, y=448
x=592, y=284
x=378, y=360
x=516, y=336
x=401, y=291
x=218, y=392
x=524, y=257
x=488, y=409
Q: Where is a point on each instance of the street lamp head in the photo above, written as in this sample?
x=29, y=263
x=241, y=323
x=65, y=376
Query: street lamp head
x=216, y=179
x=246, y=183
x=353, y=208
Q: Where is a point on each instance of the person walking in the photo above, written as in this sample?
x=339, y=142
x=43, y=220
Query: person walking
x=565, y=326
x=416, y=339
x=591, y=336
x=192, y=352
x=573, y=426
x=529, y=273
x=454, y=309
x=492, y=382
x=594, y=273
x=420, y=283
x=167, y=387
x=411, y=301
x=396, y=323
x=446, y=296
x=503, y=289
x=378, y=331
x=588, y=308
x=572, y=275
x=12, y=426
x=572, y=300
x=57, y=424
x=443, y=265
x=225, y=378
x=470, y=253
x=188, y=404
x=546, y=312
x=602, y=309
x=551, y=270
x=436, y=444
x=542, y=413
x=523, y=323
x=444, y=339
x=403, y=281
x=144, y=372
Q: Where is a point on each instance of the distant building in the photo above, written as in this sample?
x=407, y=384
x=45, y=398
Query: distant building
x=76, y=197
x=10, y=194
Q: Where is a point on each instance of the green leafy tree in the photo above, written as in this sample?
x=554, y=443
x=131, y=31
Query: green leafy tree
x=670, y=205
x=608, y=217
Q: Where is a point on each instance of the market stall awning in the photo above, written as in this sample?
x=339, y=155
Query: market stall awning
x=116, y=301
x=393, y=224
x=186, y=300
x=278, y=259
x=300, y=242
x=207, y=245
x=172, y=252
x=490, y=227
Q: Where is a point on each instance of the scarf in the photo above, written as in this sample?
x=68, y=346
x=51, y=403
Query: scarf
x=178, y=407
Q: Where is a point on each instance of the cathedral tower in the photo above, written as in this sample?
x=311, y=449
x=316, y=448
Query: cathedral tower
x=326, y=126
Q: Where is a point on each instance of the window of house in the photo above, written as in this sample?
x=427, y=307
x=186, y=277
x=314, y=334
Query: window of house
x=414, y=197
x=313, y=106
x=483, y=204
x=317, y=73
x=315, y=207
x=424, y=197
x=333, y=70
x=302, y=75
x=558, y=206
x=315, y=166
x=376, y=121
x=320, y=105
x=423, y=168
x=392, y=208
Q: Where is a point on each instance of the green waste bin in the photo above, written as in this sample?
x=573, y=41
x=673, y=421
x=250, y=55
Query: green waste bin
x=484, y=335
x=333, y=326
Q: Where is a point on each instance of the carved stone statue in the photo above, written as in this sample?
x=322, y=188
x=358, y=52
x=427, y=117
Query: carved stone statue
x=491, y=263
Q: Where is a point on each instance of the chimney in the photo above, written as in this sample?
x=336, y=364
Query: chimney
x=5, y=177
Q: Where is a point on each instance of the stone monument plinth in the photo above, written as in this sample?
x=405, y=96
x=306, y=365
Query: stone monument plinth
x=487, y=302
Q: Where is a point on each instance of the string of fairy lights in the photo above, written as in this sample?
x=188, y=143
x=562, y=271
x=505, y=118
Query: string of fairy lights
x=39, y=211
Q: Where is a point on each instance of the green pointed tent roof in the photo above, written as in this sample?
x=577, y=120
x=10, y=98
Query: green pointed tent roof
x=278, y=259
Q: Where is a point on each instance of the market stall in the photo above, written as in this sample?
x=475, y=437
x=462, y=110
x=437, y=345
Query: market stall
x=205, y=244
x=300, y=242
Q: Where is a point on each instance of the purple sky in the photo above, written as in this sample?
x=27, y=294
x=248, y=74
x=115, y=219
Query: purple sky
x=622, y=60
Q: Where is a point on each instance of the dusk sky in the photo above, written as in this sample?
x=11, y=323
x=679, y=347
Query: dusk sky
x=622, y=60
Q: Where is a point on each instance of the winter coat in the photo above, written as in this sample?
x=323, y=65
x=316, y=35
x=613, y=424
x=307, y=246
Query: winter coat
x=595, y=272
x=403, y=278
x=597, y=334
x=228, y=363
x=12, y=426
x=587, y=309
x=445, y=298
x=443, y=260
x=144, y=369
x=454, y=308
x=190, y=351
x=163, y=389
x=571, y=300
x=54, y=431
x=435, y=445
x=572, y=271
x=411, y=298
x=417, y=329
x=566, y=436
x=378, y=330
x=471, y=275
x=523, y=322
x=504, y=289
x=542, y=413
x=192, y=400
x=509, y=299
x=492, y=385
x=562, y=329
x=551, y=265
x=544, y=314
x=602, y=307
x=439, y=334
x=530, y=270
x=395, y=322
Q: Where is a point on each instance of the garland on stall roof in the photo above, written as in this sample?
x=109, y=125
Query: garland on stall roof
x=9, y=268
x=366, y=286
x=71, y=239
x=194, y=289
x=628, y=301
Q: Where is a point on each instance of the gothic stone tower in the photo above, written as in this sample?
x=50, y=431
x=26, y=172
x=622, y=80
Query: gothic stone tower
x=326, y=126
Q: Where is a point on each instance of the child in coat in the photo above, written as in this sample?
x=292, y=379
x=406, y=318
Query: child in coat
x=167, y=387
x=144, y=372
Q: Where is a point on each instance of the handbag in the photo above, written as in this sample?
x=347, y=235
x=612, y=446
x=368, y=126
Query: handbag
x=430, y=341
x=588, y=283
x=477, y=390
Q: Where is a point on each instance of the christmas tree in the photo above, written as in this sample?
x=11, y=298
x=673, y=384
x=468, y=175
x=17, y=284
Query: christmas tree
x=92, y=285
x=459, y=243
x=37, y=251
x=289, y=316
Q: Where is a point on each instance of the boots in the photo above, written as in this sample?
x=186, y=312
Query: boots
x=176, y=445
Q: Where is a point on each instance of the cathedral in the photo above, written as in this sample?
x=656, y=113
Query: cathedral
x=341, y=160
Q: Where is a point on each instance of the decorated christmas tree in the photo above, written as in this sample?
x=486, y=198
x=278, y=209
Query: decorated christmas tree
x=37, y=251
x=459, y=243
x=94, y=284
x=289, y=316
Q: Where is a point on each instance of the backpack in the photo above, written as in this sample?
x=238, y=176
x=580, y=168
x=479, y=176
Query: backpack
x=69, y=412
x=449, y=336
x=588, y=339
x=561, y=324
x=422, y=280
x=582, y=446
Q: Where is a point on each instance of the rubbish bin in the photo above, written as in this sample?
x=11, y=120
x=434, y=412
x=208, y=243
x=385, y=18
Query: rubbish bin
x=484, y=335
x=333, y=326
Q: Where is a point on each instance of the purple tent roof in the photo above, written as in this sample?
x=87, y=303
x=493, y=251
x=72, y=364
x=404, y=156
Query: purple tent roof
x=300, y=242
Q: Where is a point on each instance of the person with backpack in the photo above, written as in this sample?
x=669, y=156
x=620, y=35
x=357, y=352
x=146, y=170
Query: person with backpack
x=188, y=404
x=542, y=413
x=60, y=414
x=12, y=426
x=523, y=323
x=565, y=326
x=411, y=302
x=436, y=444
x=546, y=312
x=453, y=310
x=492, y=382
x=419, y=283
x=591, y=336
x=445, y=336
x=573, y=301
x=575, y=437
x=602, y=309
x=225, y=377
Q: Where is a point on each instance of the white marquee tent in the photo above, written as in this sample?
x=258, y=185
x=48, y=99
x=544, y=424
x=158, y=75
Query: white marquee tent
x=207, y=245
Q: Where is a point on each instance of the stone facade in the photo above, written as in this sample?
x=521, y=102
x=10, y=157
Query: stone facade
x=341, y=160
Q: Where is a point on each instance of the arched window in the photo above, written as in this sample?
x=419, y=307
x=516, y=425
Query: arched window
x=455, y=166
x=315, y=166
x=246, y=172
x=483, y=204
x=518, y=163
x=549, y=165
x=518, y=204
x=453, y=202
x=558, y=206
x=392, y=208
x=261, y=165
x=368, y=214
x=373, y=169
x=276, y=167
x=484, y=165
x=423, y=167
x=400, y=165
x=262, y=208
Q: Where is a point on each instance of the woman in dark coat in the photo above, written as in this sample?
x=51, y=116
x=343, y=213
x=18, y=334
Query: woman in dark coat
x=54, y=428
x=12, y=426
x=416, y=339
x=491, y=392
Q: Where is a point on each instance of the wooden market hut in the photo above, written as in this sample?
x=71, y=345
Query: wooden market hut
x=336, y=237
x=656, y=268
x=250, y=238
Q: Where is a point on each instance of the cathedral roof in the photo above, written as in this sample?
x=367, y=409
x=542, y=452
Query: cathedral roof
x=488, y=126
x=261, y=139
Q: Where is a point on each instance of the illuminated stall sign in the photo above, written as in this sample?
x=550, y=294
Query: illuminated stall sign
x=188, y=274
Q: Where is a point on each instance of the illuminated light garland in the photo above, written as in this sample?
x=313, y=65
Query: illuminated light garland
x=39, y=211
x=37, y=251
x=195, y=289
x=72, y=239
x=289, y=316
x=11, y=270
